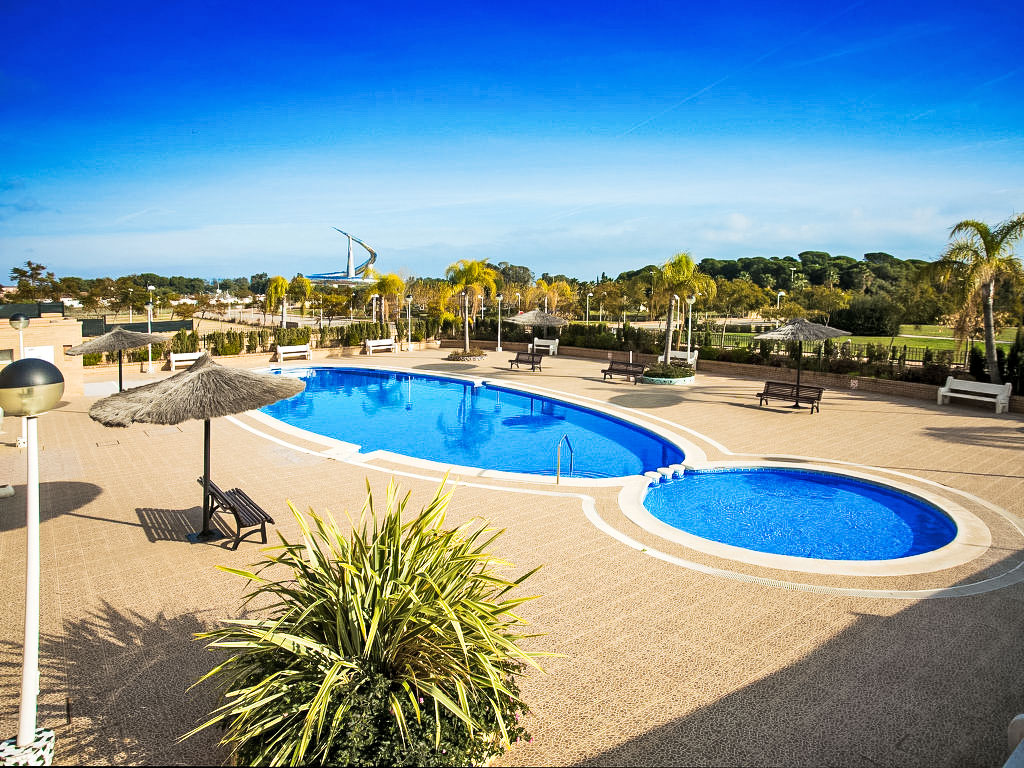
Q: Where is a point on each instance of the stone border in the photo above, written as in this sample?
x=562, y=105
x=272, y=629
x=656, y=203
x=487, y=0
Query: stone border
x=972, y=539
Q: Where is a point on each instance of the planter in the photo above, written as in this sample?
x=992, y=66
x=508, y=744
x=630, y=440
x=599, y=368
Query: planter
x=678, y=382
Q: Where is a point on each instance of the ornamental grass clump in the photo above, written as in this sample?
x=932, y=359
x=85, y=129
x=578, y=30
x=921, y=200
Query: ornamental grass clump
x=394, y=644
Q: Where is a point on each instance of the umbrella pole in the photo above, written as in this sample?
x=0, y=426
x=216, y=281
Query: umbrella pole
x=207, y=534
x=799, y=364
x=120, y=371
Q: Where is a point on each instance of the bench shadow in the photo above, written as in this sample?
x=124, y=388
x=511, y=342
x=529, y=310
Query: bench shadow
x=56, y=498
x=161, y=524
x=445, y=367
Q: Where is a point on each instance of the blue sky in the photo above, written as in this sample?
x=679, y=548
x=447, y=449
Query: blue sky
x=222, y=139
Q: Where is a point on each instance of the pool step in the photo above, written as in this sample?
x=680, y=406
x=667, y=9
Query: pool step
x=653, y=477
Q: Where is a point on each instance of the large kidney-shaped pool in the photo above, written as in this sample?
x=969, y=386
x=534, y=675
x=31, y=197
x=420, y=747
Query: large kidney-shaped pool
x=468, y=424
x=800, y=513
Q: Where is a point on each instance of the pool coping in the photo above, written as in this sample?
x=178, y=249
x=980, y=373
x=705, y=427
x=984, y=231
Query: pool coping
x=972, y=540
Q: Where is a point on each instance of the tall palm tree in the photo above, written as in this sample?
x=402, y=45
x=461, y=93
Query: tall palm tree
x=682, y=276
x=474, y=278
x=391, y=288
x=977, y=259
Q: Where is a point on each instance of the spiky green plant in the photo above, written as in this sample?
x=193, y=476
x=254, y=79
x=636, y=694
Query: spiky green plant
x=409, y=618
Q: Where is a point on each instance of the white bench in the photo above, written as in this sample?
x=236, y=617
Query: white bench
x=378, y=344
x=551, y=345
x=297, y=350
x=976, y=390
x=678, y=354
x=184, y=359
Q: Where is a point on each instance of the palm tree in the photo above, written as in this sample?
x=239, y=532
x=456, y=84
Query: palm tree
x=976, y=260
x=390, y=287
x=682, y=276
x=474, y=278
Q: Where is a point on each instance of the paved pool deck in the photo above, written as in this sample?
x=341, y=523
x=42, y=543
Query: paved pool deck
x=719, y=663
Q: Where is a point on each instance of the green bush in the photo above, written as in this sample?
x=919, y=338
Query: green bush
x=663, y=371
x=92, y=358
x=185, y=341
x=395, y=644
x=869, y=316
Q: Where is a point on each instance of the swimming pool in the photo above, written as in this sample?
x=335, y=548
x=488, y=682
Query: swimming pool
x=469, y=424
x=801, y=513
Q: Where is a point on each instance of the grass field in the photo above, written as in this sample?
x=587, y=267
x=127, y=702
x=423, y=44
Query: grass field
x=1006, y=334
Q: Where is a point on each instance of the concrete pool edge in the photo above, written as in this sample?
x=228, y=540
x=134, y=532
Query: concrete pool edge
x=972, y=540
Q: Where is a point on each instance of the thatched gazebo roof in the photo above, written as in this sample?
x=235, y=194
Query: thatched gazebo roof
x=204, y=391
x=117, y=340
x=538, y=318
x=799, y=329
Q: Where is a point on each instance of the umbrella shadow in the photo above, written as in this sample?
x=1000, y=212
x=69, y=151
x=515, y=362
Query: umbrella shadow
x=161, y=524
x=56, y=498
x=119, y=684
x=647, y=400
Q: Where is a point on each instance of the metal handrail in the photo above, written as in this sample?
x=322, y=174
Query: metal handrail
x=558, y=461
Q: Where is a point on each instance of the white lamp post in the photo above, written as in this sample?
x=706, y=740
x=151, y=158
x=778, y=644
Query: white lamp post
x=149, y=329
x=130, y=315
x=778, y=299
x=689, y=325
x=673, y=312
x=373, y=309
x=519, y=299
x=408, y=317
x=545, y=303
x=499, y=297
x=588, y=307
x=20, y=322
x=28, y=388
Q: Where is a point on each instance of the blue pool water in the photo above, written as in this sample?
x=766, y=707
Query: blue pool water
x=454, y=422
x=800, y=513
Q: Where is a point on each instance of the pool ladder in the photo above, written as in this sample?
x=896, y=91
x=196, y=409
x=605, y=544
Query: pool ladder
x=558, y=459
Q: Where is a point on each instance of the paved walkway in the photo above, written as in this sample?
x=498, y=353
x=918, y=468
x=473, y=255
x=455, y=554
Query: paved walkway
x=661, y=664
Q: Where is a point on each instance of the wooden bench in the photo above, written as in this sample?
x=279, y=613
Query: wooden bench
x=297, y=350
x=784, y=390
x=247, y=513
x=551, y=345
x=528, y=358
x=184, y=359
x=976, y=390
x=378, y=344
x=621, y=367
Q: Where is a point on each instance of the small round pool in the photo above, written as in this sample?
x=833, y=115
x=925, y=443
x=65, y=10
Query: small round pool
x=800, y=513
x=469, y=424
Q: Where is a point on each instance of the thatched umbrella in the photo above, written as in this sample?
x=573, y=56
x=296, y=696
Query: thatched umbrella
x=117, y=340
x=801, y=330
x=538, y=318
x=205, y=391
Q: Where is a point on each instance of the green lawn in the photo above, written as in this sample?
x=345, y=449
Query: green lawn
x=1006, y=334
x=936, y=344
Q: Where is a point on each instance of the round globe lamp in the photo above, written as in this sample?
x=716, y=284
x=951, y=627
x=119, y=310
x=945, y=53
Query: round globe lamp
x=29, y=387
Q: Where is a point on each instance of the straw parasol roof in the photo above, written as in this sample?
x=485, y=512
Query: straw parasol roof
x=538, y=318
x=204, y=391
x=799, y=329
x=116, y=340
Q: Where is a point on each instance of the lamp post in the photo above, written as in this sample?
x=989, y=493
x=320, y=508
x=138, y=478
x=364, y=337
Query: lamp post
x=20, y=322
x=499, y=297
x=545, y=303
x=675, y=306
x=130, y=315
x=149, y=329
x=689, y=325
x=373, y=308
x=519, y=299
x=778, y=299
x=588, y=307
x=408, y=317
x=28, y=388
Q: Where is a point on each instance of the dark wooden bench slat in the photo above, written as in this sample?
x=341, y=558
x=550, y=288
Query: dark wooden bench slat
x=247, y=513
x=783, y=390
x=623, y=368
x=533, y=359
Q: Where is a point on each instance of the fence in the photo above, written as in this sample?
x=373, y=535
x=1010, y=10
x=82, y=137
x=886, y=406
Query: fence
x=37, y=309
x=99, y=326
